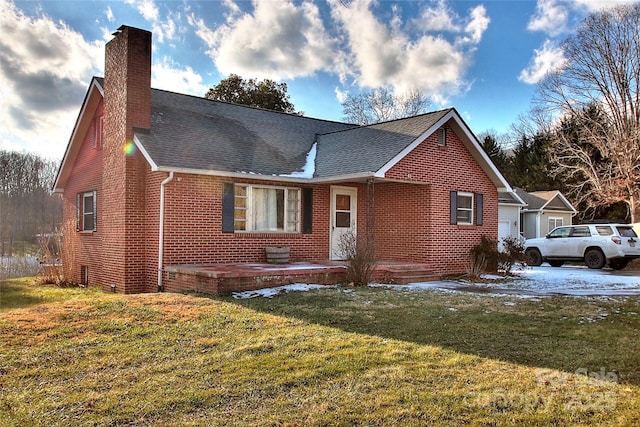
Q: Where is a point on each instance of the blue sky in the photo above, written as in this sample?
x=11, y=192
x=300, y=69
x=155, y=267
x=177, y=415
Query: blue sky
x=482, y=57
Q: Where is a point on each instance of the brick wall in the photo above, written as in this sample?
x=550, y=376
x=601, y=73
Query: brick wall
x=84, y=248
x=193, y=226
x=439, y=170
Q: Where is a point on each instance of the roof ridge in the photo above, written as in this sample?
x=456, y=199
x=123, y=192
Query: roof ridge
x=201, y=98
x=355, y=126
x=428, y=113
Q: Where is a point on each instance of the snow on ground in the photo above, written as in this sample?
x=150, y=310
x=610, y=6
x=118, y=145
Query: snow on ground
x=271, y=292
x=528, y=283
x=546, y=281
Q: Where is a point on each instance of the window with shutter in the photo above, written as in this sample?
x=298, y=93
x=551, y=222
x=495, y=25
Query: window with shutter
x=259, y=208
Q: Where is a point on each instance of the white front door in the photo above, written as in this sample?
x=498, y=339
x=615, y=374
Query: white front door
x=343, y=217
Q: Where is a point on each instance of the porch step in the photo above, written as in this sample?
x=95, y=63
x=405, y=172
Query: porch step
x=404, y=273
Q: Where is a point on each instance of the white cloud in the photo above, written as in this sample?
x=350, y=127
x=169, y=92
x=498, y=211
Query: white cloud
x=147, y=8
x=109, y=14
x=168, y=76
x=478, y=23
x=548, y=58
x=355, y=44
x=382, y=55
x=278, y=40
x=341, y=95
x=149, y=11
x=593, y=5
x=551, y=17
x=43, y=80
x=438, y=17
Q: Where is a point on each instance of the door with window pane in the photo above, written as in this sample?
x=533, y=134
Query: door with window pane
x=343, y=218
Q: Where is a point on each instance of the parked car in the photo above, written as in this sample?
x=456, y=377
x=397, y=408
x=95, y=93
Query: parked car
x=594, y=244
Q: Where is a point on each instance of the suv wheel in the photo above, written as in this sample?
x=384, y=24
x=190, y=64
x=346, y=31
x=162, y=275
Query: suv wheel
x=594, y=258
x=533, y=257
x=556, y=263
x=618, y=264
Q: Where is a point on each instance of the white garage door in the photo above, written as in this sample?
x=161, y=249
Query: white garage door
x=504, y=230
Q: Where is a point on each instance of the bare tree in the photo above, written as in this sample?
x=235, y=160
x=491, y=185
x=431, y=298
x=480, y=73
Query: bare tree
x=379, y=105
x=27, y=206
x=596, y=93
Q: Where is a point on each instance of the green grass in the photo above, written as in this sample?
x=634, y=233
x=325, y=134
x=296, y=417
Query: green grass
x=370, y=356
x=18, y=293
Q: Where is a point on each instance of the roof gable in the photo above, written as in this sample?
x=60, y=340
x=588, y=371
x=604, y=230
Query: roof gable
x=367, y=149
x=545, y=200
x=468, y=139
x=92, y=99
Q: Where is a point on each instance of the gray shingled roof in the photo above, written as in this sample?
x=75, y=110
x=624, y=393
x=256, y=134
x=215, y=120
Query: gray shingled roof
x=507, y=198
x=533, y=202
x=538, y=199
x=194, y=133
x=369, y=148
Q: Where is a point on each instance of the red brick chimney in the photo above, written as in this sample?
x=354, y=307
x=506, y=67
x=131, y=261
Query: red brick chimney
x=127, y=104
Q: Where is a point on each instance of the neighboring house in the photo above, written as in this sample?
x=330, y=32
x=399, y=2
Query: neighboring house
x=152, y=178
x=545, y=211
x=510, y=206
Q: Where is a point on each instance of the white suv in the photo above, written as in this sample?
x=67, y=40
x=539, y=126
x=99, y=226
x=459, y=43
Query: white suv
x=595, y=244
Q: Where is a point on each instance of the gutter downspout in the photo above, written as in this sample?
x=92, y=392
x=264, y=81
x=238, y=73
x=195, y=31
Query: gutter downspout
x=161, y=231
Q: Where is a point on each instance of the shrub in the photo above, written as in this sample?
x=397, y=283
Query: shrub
x=512, y=254
x=486, y=257
x=360, y=257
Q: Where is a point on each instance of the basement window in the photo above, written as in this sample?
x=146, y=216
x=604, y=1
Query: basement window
x=84, y=275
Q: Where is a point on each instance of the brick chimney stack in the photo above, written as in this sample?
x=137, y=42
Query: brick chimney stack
x=127, y=104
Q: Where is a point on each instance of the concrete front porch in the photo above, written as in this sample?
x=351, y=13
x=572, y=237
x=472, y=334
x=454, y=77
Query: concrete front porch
x=226, y=278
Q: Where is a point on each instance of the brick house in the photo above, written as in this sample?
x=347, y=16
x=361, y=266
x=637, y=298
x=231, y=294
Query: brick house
x=152, y=179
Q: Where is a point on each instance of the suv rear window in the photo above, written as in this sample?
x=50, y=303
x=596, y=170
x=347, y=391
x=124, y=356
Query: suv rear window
x=604, y=230
x=626, y=232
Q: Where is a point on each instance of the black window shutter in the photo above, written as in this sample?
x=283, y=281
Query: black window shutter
x=78, y=212
x=95, y=210
x=479, y=207
x=307, y=210
x=228, y=200
x=453, y=207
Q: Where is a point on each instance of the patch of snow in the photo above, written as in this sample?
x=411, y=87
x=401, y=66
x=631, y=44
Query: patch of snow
x=532, y=283
x=271, y=292
x=491, y=277
x=309, y=166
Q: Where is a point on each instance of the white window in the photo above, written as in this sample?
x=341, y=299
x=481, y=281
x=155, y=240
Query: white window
x=555, y=222
x=86, y=211
x=261, y=208
x=464, y=208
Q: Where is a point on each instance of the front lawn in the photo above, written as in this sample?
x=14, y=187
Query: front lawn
x=366, y=356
